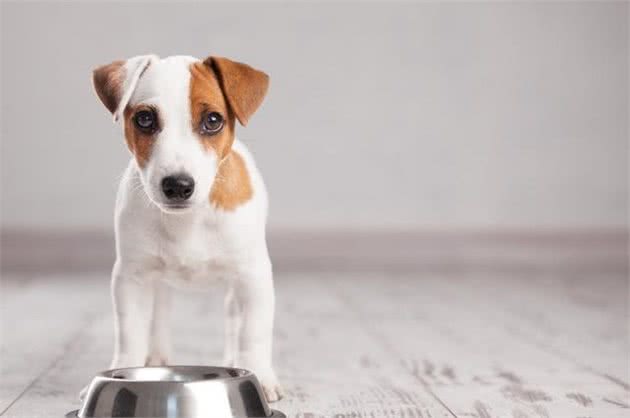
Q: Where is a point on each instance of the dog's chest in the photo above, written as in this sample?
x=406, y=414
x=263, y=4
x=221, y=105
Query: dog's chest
x=195, y=253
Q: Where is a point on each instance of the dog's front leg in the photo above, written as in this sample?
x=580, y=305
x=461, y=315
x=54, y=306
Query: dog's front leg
x=255, y=297
x=133, y=308
x=133, y=301
x=233, y=322
x=159, y=338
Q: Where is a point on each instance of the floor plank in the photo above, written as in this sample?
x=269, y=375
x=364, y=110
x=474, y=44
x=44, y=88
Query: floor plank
x=39, y=323
x=457, y=336
x=524, y=344
x=331, y=365
x=309, y=373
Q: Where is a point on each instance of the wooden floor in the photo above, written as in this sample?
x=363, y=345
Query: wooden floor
x=452, y=344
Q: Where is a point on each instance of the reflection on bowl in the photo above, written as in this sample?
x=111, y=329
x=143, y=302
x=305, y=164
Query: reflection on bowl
x=175, y=392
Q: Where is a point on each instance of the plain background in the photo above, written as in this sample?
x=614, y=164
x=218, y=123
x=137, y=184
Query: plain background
x=401, y=115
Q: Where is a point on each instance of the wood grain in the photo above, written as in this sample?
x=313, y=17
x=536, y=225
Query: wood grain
x=473, y=349
x=440, y=344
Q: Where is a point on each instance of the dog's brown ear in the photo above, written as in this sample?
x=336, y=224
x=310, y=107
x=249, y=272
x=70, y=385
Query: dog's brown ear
x=108, y=83
x=243, y=86
x=114, y=83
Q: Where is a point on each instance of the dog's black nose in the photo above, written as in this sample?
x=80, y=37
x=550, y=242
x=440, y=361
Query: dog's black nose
x=178, y=188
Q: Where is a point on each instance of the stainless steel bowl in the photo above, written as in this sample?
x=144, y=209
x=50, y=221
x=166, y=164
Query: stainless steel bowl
x=175, y=392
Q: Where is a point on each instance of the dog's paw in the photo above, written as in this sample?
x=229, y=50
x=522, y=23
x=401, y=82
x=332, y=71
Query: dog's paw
x=156, y=359
x=228, y=361
x=271, y=387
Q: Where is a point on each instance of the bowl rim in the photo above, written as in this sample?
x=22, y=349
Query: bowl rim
x=243, y=374
x=108, y=375
x=274, y=414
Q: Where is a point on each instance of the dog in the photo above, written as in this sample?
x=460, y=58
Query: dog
x=191, y=208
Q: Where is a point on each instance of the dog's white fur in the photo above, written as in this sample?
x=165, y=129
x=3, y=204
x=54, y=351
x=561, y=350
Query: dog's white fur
x=158, y=249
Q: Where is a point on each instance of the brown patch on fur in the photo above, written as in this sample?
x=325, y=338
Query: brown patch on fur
x=139, y=143
x=244, y=86
x=232, y=186
x=108, y=80
x=206, y=96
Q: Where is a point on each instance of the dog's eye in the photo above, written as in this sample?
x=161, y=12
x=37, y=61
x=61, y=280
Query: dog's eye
x=145, y=120
x=212, y=123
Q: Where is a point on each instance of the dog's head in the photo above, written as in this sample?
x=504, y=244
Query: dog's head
x=179, y=118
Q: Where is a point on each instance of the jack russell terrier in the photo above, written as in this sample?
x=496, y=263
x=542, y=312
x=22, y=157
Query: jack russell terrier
x=191, y=207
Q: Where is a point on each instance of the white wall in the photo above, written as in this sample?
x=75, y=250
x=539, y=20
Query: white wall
x=380, y=114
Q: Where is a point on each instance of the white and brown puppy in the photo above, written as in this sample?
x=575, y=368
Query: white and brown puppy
x=191, y=207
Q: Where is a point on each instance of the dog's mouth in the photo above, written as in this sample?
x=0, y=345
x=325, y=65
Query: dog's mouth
x=175, y=207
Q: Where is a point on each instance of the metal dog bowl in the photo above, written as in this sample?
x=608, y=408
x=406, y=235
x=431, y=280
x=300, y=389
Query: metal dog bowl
x=175, y=392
